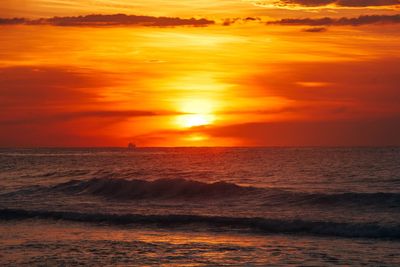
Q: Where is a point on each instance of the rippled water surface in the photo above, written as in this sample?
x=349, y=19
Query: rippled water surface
x=200, y=206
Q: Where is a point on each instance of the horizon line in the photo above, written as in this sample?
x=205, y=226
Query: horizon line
x=139, y=147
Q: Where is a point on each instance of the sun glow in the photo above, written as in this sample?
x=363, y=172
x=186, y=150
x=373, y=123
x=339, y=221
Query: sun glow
x=199, y=112
x=193, y=120
x=196, y=138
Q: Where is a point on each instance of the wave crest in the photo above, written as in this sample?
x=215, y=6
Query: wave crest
x=162, y=188
x=122, y=189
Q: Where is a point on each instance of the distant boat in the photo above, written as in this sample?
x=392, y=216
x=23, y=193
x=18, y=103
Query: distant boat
x=131, y=146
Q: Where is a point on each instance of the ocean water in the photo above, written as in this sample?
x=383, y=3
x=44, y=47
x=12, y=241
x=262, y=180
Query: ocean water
x=200, y=207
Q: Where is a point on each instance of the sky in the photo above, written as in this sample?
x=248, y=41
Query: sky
x=82, y=73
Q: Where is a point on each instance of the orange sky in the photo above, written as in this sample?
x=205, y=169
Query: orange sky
x=334, y=82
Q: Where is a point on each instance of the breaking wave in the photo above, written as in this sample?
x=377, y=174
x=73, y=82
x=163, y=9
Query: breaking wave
x=123, y=189
x=256, y=225
x=162, y=188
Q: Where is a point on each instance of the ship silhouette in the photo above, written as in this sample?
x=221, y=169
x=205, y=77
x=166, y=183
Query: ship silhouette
x=131, y=146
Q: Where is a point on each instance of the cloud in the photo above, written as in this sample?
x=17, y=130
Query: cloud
x=118, y=113
x=366, y=3
x=315, y=29
x=230, y=21
x=12, y=21
x=343, y=132
x=343, y=3
x=31, y=94
x=327, y=21
x=35, y=87
x=27, y=88
x=372, y=81
x=330, y=90
x=330, y=3
x=65, y=106
x=43, y=117
x=110, y=20
x=34, y=95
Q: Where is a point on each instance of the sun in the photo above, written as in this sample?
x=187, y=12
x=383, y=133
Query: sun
x=198, y=112
x=193, y=120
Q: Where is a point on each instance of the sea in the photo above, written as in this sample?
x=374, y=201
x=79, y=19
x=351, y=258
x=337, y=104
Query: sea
x=306, y=206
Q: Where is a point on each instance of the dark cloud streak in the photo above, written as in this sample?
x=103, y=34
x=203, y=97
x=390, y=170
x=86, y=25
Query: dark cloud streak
x=339, y=3
x=99, y=20
x=327, y=21
x=315, y=29
x=98, y=114
x=12, y=21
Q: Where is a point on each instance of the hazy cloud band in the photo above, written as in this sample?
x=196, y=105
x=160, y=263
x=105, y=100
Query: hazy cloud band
x=327, y=21
x=110, y=20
